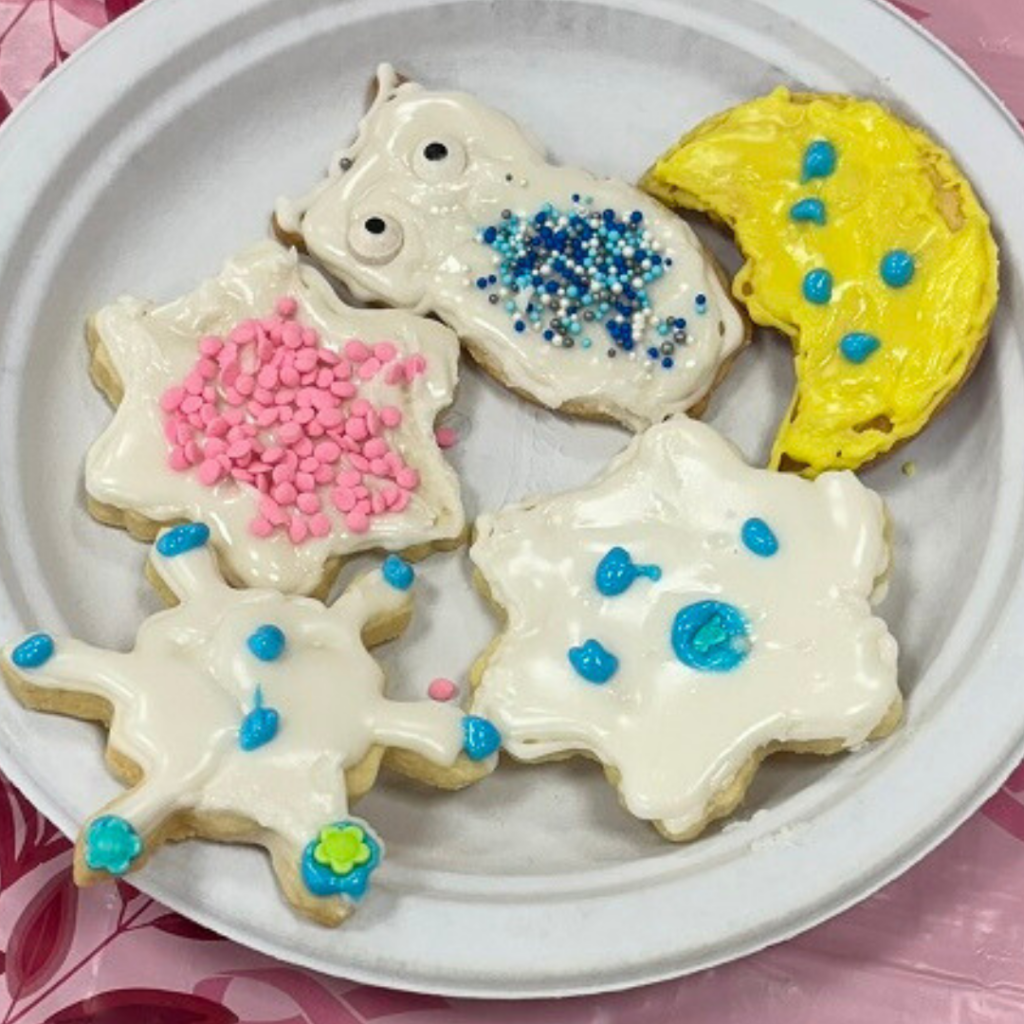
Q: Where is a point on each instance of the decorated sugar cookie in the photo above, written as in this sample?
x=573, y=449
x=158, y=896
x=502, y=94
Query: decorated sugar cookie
x=300, y=429
x=580, y=293
x=864, y=243
x=682, y=618
x=250, y=716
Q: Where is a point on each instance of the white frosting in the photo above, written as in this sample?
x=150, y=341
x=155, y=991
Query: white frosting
x=820, y=666
x=154, y=347
x=179, y=698
x=430, y=255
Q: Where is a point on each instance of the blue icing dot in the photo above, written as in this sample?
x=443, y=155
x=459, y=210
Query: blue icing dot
x=818, y=287
x=711, y=636
x=183, y=538
x=398, y=572
x=33, y=651
x=857, y=346
x=759, y=537
x=322, y=881
x=480, y=737
x=819, y=160
x=809, y=210
x=617, y=572
x=258, y=727
x=267, y=643
x=593, y=662
x=111, y=844
x=897, y=268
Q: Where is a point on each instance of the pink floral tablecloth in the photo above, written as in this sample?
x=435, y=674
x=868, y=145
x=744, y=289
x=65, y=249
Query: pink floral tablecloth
x=943, y=944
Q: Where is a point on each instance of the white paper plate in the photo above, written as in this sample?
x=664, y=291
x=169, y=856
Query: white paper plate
x=160, y=149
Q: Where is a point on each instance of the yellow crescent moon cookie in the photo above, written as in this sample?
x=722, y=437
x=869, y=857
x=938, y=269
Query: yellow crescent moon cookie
x=864, y=243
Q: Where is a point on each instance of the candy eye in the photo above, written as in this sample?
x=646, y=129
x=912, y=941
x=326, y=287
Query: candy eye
x=376, y=238
x=438, y=159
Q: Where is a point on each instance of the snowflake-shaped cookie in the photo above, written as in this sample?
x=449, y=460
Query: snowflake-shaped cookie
x=299, y=429
x=683, y=617
x=251, y=716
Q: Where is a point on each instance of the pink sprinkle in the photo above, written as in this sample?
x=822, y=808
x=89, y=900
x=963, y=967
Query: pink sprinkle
x=207, y=369
x=214, y=446
x=385, y=351
x=391, y=416
x=172, y=398
x=193, y=403
x=370, y=369
x=178, y=461
x=442, y=690
x=290, y=433
x=361, y=492
x=343, y=389
x=319, y=525
x=290, y=377
x=358, y=462
x=194, y=383
x=297, y=530
x=375, y=448
x=270, y=510
x=193, y=453
x=327, y=451
x=343, y=370
x=260, y=527
x=343, y=498
x=357, y=521
x=210, y=346
x=291, y=335
x=378, y=504
x=308, y=503
x=329, y=418
x=395, y=374
x=350, y=478
x=210, y=472
x=407, y=478
x=446, y=437
x=304, y=416
x=378, y=467
x=286, y=306
x=284, y=493
x=356, y=351
x=360, y=407
x=305, y=482
x=356, y=428
x=323, y=475
x=243, y=334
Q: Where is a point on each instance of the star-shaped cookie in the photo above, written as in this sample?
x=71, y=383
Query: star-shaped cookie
x=301, y=430
x=685, y=616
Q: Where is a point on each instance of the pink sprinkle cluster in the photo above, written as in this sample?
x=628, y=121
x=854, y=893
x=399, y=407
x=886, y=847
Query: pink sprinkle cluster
x=267, y=406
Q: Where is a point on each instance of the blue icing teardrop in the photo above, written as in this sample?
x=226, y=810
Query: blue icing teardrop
x=593, y=662
x=818, y=287
x=480, y=737
x=759, y=537
x=711, y=636
x=258, y=727
x=857, y=346
x=183, y=538
x=809, y=210
x=398, y=572
x=267, y=643
x=33, y=651
x=617, y=572
x=819, y=160
x=897, y=268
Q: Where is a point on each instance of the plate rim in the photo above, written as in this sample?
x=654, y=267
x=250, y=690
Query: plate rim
x=914, y=849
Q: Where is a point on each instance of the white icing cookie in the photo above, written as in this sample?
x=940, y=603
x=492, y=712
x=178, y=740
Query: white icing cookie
x=582, y=293
x=684, y=615
x=247, y=716
x=300, y=429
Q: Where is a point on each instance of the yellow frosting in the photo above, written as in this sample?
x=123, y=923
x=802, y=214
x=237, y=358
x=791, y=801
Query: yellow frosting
x=892, y=188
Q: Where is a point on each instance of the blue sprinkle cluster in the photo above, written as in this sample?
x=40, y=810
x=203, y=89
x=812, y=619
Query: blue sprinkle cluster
x=569, y=275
